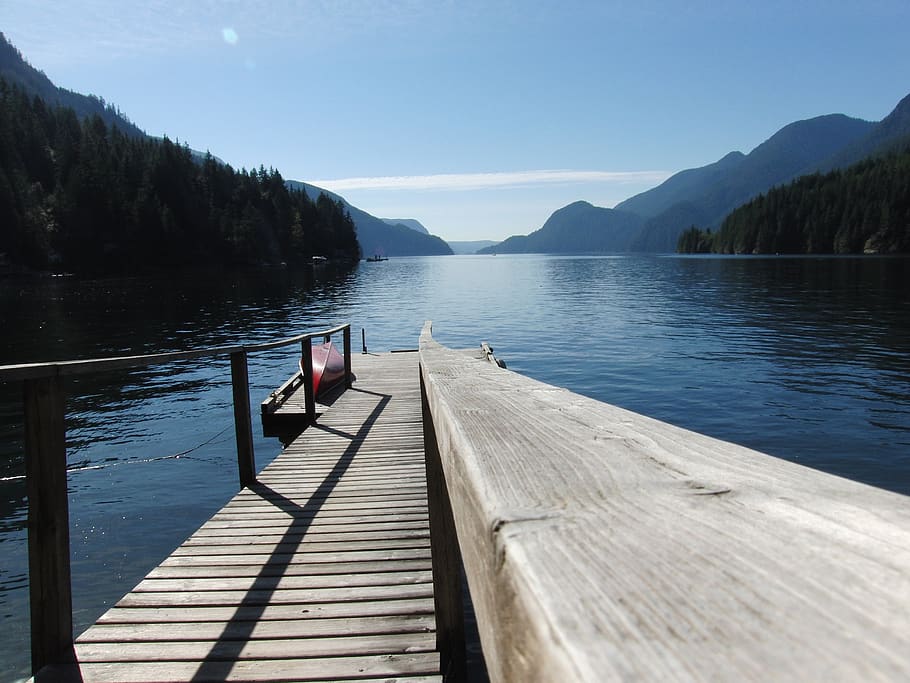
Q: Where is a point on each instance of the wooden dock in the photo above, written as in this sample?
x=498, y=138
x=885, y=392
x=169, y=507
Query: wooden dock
x=597, y=544
x=319, y=571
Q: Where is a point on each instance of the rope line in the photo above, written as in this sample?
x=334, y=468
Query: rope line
x=134, y=461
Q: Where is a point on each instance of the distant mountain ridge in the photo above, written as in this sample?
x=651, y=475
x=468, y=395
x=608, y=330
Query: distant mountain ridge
x=464, y=247
x=891, y=133
x=410, y=223
x=579, y=227
x=711, y=192
x=376, y=236
x=680, y=187
x=471, y=246
x=864, y=208
x=705, y=196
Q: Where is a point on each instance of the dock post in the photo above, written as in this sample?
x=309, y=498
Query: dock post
x=346, y=335
x=447, y=599
x=309, y=395
x=246, y=461
x=363, y=338
x=50, y=589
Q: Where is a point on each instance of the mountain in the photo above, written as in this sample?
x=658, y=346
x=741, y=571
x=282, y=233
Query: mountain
x=464, y=247
x=681, y=187
x=15, y=69
x=577, y=228
x=83, y=197
x=864, y=208
x=888, y=135
x=372, y=233
x=410, y=223
x=378, y=237
x=704, y=196
x=471, y=247
x=663, y=228
x=710, y=193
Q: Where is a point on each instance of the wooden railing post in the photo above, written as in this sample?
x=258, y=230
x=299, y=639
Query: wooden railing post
x=246, y=460
x=309, y=394
x=50, y=590
x=449, y=608
x=347, y=357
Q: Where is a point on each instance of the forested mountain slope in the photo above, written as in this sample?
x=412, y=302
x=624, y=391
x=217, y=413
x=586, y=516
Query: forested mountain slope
x=862, y=209
x=378, y=237
x=14, y=69
x=81, y=196
x=715, y=190
x=577, y=228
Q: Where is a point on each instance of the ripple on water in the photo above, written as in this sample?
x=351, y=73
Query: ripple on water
x=807, y=359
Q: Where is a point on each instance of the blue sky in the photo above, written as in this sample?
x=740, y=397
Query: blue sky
x=477, y=118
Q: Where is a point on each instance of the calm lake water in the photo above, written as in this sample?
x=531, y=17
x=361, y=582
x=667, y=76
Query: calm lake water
x=804, y=358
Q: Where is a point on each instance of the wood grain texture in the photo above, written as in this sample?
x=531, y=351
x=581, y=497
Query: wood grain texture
x=600, y=544
x=321, y=570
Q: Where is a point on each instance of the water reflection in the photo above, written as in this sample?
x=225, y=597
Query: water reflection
x=803, y=358
x=807, y=359
x=131, y=502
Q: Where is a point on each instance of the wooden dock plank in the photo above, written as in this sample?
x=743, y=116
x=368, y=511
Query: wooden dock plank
x=287, y=628
x=336, y=580
x=230, y=615
x=375, y=667
x=245, y=648
x=319, y=571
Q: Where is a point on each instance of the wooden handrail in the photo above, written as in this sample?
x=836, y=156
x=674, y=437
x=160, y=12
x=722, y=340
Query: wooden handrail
x=50, y=589
x=20, y=372
x=599, y=544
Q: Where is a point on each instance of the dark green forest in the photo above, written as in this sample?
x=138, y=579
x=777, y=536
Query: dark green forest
x=862, y=209
x=83, y=196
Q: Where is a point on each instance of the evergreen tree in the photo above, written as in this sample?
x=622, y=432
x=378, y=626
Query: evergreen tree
x=88, y=197
x=864, y=208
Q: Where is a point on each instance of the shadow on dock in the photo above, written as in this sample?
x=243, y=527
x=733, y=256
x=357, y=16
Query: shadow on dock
x=237, y=632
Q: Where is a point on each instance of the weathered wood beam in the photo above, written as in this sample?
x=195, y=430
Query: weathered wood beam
x=447, y=598
x=602, y=545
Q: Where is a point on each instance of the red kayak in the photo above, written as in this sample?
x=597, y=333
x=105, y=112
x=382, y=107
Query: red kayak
x=328, y=368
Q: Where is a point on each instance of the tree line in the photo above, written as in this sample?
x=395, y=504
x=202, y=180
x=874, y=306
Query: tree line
x=862, y=209
x=82, y=196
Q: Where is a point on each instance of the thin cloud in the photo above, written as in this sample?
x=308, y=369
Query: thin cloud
x=481, y=181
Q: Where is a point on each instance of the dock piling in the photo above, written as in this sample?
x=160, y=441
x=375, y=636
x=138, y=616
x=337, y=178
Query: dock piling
x=348, y=377
x=50, y=591
x=240, y=382
x=306, y=365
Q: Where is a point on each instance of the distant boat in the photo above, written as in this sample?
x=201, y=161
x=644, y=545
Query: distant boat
x=328, y=368
x=376, y=257
x=317, y=260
